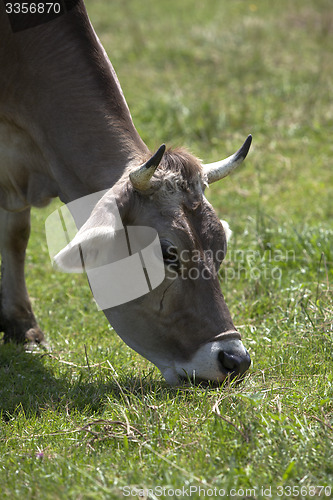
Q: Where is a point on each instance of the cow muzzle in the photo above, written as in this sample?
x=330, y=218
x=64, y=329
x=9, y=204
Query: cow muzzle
x=234, y=365
x=233, y=357
x=224, y=358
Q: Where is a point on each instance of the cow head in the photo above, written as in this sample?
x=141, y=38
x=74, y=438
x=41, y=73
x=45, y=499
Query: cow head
x=183, y=325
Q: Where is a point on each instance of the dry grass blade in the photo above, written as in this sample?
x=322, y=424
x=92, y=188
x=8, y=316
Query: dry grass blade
x=109, y=430
x=217, y=412
x=322, y=422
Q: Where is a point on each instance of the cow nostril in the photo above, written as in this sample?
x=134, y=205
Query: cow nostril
x=234, y=364
x=227, y=361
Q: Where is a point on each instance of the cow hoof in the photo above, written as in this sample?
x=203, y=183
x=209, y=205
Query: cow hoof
x=35, y=337
x=18, y=333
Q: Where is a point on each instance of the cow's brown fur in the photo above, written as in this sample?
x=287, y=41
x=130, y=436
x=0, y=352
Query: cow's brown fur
x=66, y=130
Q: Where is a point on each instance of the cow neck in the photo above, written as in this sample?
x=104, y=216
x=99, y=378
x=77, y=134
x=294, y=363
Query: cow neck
x=65, y=93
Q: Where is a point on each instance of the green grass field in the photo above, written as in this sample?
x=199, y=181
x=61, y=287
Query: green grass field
x=93, y=420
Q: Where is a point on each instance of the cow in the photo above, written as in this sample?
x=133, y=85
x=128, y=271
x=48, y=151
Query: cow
x=66, y=131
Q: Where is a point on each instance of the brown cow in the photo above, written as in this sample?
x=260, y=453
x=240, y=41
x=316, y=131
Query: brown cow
x=66, y=131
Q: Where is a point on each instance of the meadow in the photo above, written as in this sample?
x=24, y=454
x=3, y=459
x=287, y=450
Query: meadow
x=91, y=419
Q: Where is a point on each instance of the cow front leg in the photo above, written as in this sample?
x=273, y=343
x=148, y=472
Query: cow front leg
x=17, y=320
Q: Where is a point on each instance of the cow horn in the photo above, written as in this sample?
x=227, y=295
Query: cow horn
x=140, y=177
x=218, y=170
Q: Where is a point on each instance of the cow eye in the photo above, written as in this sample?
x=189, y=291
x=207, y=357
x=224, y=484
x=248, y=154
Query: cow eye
x=170, y=254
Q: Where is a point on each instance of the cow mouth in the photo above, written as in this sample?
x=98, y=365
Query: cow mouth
x=233, y=370
x=222, y=361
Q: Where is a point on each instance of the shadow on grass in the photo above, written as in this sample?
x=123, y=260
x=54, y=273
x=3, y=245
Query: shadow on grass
x=26, y=383
x=31, y=382
x=38, y=381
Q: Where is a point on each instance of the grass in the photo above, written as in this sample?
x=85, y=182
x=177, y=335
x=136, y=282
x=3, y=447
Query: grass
x=91, y=417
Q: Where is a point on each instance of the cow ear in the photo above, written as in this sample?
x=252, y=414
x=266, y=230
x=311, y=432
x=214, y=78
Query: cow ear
x=89, y=249
x=101, y=240
x=226, y=229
